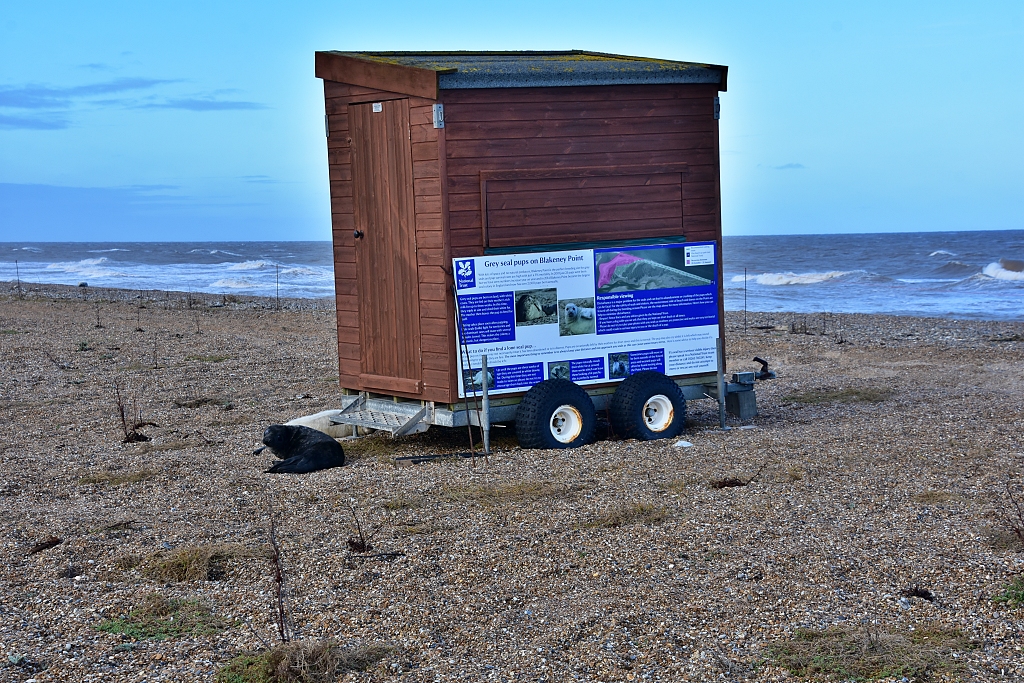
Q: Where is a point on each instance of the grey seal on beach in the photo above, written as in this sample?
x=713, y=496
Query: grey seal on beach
x=301, y=449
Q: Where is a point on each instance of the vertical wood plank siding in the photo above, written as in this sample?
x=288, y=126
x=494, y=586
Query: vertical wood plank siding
x=432, y=279
x=602, y=127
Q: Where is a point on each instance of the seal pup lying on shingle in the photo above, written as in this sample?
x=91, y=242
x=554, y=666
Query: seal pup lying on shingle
x=301, y=449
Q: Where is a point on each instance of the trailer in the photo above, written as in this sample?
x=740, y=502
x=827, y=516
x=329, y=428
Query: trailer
x=558, y=213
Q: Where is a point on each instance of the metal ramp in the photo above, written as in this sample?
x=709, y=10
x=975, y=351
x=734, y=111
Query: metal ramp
x=399, y=418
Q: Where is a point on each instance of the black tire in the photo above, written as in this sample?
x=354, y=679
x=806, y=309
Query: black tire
x=537, y=412
x=628, y=417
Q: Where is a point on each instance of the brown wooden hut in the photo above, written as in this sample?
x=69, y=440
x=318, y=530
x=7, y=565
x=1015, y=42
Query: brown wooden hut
x=526, y=149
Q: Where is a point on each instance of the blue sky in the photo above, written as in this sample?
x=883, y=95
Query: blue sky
x=191, y=121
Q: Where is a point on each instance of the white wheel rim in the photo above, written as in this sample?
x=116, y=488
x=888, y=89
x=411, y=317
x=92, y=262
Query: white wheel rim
x=566, y=424
x=658, y=413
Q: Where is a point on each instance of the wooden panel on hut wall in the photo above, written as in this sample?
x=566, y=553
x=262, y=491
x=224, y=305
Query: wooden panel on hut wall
x=525, y=129
x=346, y=302
x=435, y=343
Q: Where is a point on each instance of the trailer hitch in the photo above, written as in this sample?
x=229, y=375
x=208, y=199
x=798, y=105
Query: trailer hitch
x=764, y=373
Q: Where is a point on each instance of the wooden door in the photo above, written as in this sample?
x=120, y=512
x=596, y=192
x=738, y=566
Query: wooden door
x=389, y=307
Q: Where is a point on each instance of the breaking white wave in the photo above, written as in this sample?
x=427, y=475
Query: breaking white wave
x=996, y=271
x=942, y=252
x=231, y=283
x=72, y=265
x=27, y=249
x=298, y=271
x=251, y=265
x=90, y=267
x=105, y=251
x=775, y=279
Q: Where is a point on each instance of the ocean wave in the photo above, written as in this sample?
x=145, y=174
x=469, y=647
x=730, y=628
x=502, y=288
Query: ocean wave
x=214, y=251
x=956, y=268
x=925, y=280
x=70, y=266
x=941, y=252
x=232, y=283
x=777, y=279
x=90, y=267
x=32, y=249
x=299, y=271
x=105, y=251
x=251, y=265
x=997, y=271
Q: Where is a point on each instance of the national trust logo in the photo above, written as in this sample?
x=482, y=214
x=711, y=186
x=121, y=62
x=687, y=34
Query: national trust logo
x=464, y=275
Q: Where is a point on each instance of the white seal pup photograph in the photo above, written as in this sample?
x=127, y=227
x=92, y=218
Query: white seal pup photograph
x=477, y=381
x=300, y=449
x=574, y=312
x=577, y=316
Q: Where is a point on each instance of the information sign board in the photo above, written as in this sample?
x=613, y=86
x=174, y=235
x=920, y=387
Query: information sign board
x=591, y=316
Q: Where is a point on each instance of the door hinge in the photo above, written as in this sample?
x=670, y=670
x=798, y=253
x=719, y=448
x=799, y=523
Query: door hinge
x=718, y=108
x=327, y=125
x=438, y=116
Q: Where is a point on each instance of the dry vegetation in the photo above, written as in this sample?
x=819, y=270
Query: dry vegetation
x=870, y=653
x=194, y=562
x=634, y=513
x=321, y=661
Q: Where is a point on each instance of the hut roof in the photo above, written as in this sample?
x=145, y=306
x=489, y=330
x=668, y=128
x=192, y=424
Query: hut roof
x=522, y=69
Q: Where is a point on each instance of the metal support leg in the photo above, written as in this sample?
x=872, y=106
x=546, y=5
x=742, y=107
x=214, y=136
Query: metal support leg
x=719, y=348
x=485, y=416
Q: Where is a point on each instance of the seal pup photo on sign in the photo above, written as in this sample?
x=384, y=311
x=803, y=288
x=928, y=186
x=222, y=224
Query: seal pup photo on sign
x=536, y=307
x=576, y=316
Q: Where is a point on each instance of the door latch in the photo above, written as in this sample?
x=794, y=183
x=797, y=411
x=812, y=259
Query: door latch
x=357, y=233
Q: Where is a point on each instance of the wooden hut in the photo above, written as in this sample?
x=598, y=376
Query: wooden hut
x=435, y=155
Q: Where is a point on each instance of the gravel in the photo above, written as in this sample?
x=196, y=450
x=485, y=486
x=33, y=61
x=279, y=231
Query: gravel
x=883, y=453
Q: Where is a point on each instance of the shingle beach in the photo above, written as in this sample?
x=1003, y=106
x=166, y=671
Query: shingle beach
x=882, y=465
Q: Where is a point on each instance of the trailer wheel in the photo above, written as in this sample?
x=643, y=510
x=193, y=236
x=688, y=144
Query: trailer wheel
x=648, y=406
x=555, y=414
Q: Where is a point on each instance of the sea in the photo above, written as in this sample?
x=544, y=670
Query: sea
x=935, y=274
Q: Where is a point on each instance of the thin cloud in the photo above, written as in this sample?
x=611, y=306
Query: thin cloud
x=32, y=123
x=198, y=104
x=46, y=97
x=151, y=188
x=788, y=167
x=258, y=179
